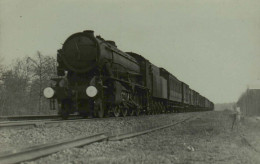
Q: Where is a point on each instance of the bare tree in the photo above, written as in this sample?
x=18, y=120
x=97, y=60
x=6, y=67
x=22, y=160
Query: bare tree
x=21, y=85
x=41, y=69
x=14, y=89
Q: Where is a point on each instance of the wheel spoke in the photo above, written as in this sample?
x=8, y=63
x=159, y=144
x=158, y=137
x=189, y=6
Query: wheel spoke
x=124, y=111
x=132, y=112
x=116, y=111
x=137, y=112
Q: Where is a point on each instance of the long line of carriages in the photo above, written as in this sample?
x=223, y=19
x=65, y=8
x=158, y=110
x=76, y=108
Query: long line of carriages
x=178, y=94
x=168, y=91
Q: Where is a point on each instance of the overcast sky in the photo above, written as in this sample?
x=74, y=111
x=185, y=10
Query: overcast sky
x=212, y=45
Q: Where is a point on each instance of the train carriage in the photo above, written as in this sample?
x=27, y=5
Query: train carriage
x=194, y=100
x=159, y=84
x=186, y=94
x=174, y=90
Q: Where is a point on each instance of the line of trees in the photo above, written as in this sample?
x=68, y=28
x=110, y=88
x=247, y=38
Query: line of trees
x=22, y=84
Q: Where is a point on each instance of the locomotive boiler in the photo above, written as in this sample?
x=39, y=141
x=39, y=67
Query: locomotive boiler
x=95, y=78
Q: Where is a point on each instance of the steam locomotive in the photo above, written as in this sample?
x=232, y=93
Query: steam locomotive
x=95, y=78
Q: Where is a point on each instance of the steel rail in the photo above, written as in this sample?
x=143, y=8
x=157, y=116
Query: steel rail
x=38, y=151
x=27, y=117
x=38, y=123
x=134, y=134
x=46, y=149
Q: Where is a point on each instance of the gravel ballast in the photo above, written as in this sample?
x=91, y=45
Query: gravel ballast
x=19, y=138
x=205, y=139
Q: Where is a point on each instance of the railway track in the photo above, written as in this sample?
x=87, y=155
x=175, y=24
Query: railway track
x=35, y=117
x=38, y=151
x=28, y=117
x=41, y=120
x=37, y=123
x=45, y=122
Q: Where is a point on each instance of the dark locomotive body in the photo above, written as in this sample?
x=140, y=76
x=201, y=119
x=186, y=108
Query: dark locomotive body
x=96, y=78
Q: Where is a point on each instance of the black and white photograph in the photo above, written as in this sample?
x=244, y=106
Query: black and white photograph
x=130, y=81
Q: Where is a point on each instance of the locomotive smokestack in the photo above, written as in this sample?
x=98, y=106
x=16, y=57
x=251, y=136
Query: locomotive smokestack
x=89, y=32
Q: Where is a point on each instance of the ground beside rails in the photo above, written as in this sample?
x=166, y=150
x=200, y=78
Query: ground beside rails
x=49, y=148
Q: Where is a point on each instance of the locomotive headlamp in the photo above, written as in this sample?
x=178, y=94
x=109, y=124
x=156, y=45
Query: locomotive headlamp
x=48, y=92
x=91, y=91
